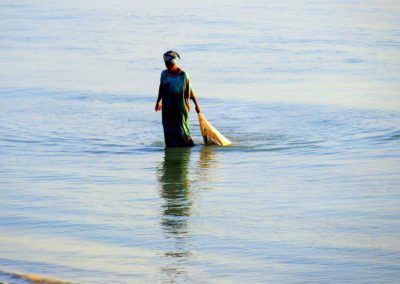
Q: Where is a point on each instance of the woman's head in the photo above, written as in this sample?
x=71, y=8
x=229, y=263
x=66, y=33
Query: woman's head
x=171, y=59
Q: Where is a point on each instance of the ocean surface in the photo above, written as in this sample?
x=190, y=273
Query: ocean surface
x=307, y=91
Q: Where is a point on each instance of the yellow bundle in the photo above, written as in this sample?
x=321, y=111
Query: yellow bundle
x=210, y=134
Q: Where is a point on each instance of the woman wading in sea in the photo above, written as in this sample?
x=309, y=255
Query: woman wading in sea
x=173, y=99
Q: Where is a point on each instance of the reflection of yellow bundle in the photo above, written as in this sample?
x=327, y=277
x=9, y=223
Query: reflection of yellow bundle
x=210, y=134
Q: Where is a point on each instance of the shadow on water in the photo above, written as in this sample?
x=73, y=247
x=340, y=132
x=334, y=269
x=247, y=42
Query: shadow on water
x=174, y=183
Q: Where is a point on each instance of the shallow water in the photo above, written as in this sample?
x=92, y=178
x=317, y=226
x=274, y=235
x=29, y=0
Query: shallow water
x=308, y=192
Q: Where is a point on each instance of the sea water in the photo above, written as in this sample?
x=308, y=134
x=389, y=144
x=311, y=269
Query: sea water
x=307, y=91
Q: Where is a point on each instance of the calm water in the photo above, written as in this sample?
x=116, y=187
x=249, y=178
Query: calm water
x=308, y=92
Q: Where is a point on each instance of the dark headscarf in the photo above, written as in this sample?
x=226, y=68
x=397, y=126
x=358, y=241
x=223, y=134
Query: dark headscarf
x=171, y=56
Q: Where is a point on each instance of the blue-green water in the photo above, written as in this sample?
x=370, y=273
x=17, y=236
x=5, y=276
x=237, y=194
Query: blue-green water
x=307, y=92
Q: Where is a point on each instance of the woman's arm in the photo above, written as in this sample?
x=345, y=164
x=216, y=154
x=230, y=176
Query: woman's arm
x=158, y=103
x=191, y=94
x=194, y=99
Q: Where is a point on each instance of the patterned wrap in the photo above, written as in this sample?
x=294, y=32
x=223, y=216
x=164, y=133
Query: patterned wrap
x=175, y=91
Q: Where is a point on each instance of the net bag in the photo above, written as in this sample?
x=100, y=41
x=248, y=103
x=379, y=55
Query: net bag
x=210, y=134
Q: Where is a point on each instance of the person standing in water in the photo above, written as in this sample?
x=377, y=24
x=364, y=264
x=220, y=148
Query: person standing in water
x=173, y=99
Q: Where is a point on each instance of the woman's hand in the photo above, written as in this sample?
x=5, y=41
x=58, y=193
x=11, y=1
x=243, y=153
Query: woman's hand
x=158, y=106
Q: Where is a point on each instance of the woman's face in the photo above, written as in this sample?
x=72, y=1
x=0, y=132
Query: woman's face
x=170, y=66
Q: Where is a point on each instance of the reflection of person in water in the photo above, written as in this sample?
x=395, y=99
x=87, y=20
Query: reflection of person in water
x=175, y=185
